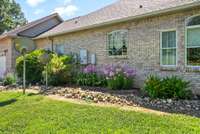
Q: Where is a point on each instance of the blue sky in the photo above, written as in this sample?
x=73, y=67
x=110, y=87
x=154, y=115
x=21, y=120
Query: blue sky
x=35, y=9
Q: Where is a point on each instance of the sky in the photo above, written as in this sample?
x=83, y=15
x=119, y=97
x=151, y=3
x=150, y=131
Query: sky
x=35, y=9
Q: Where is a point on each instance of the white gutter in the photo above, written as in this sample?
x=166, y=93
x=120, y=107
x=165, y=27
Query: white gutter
x=194, y=4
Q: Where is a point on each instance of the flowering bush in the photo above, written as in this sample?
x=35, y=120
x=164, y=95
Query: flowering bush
x=119, y=76
x=113, y=76
x=111, y=71
x=90, y=77
x=90, y=69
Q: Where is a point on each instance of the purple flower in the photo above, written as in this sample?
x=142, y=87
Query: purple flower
x=90, y=69
x=113, y=70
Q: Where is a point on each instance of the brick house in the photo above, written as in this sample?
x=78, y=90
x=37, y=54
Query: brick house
x=7, y=51
x=154, y=36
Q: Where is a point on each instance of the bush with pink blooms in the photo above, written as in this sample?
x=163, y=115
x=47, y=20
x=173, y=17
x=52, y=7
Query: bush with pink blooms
x=115, y=77
x=89, y=76
x=119, y=77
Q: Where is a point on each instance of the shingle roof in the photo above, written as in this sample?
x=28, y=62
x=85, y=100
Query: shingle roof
x=121, y=10
x=14, y=32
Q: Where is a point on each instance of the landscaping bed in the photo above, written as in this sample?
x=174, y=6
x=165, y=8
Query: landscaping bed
x=128, y=97
x=121, y=97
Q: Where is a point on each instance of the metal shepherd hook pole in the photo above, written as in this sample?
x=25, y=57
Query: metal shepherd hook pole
x=24, y=75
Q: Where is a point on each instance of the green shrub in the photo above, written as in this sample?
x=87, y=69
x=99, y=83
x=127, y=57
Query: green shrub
x=90, y=79
x=9, y=80
x=120, y=82
x=59, y=70
x=153, y=86
x=169, y=87
x=175, y=87
x=116, y=83
x=128, y=83
x=34, y=67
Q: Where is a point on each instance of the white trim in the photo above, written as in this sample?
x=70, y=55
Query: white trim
x=194, y=4
x=161, y=49
x=186, y=39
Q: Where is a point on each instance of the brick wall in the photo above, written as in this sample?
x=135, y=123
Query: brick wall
x=5, y=44
x=143, y=47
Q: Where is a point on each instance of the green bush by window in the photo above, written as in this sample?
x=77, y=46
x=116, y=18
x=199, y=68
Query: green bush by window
x=169, y=87
x=34, y=67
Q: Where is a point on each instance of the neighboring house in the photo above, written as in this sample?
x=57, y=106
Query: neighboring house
x=31, y=30
x=154, y=36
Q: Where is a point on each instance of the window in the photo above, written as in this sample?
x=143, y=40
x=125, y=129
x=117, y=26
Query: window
x=60, y=49
x=117, y=43
x=193, y=41
x=168, y=48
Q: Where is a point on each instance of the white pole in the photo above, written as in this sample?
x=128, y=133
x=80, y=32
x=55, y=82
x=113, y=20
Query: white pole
x=46, y=77
x=24, y=75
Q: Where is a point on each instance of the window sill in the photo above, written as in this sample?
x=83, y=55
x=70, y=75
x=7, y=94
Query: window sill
x=168, y=68
x=119, y=57
x=195, y=69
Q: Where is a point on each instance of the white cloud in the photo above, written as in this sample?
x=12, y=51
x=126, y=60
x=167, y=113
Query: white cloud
x=34, y=3
x=68, y=10
x=38, y=11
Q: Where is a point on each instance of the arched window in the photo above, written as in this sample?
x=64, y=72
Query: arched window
x=117, y=42
x=193, y=41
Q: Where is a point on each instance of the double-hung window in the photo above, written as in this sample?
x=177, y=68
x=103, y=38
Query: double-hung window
x=193, y=41
x=118, y=42
x=168, y=48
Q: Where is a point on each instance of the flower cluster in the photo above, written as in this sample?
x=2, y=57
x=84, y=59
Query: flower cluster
x=113, y=70
x=90, y=69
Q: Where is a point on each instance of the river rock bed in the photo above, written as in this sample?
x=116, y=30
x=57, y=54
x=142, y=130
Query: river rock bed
x=129, y=98
x=124, y=98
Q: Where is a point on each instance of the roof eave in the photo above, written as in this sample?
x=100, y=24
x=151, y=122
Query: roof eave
x=13, y=36
x=195, y=4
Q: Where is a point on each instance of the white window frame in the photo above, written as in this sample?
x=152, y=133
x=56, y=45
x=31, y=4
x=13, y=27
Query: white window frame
x=186, y=39
x=161, y=49
x=120, y=30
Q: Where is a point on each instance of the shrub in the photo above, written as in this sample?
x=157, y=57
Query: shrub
x=90, y=77
x=119, y=77
x=34, y=67
x=9, y=80
x=153, y=86
x=175, y=87
x=169, y=87
x=59, y=70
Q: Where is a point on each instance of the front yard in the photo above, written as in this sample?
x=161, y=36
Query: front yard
x=38, y=114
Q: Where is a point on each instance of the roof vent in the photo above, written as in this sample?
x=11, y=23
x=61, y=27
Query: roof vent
x=141, y=6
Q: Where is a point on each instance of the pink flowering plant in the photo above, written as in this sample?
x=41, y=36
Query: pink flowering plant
x=119, y=76
x=90, y=76
x=116, y=77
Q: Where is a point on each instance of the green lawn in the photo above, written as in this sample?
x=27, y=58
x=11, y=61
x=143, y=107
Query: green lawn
x=39, y=115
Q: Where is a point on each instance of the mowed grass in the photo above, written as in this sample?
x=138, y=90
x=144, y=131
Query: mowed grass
x=35, y=114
